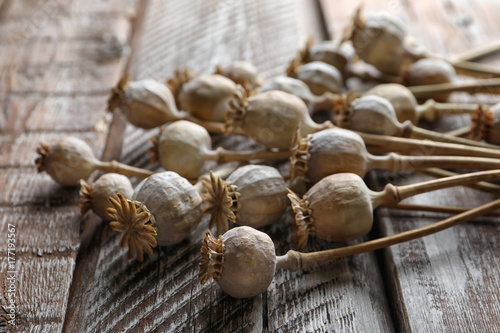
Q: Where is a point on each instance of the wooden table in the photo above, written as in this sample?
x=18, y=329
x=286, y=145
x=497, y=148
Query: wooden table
x=58, y=61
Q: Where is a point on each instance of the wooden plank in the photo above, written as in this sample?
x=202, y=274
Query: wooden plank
x=445, y=282
x=164, y=293
x=40, y=302
x=58, y=63
x=42, y=230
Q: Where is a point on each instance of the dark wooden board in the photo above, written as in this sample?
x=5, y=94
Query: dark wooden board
x=58, y=60
x=449, y=281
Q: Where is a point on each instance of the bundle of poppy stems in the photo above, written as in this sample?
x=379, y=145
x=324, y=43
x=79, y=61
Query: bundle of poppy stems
x=324, y=189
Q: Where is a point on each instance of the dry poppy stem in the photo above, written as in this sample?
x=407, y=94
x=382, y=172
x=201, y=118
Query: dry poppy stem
x=490, y=86
x=294, y=260
x=437, y=209
x=459, y=131
x=221, y=155
x=478, y=52
x=482, y=186
x=476, y=70
x=406, y=191
x=211, y=126
x=421, y=133
x=435, y=109
x=123, y=169
x=395, y=162
x=384, y=143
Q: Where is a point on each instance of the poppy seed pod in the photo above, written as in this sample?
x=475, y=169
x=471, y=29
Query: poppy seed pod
x=72, y=159
x=242, y=261
x=300, y=89
x=330, y=53
x=380, y=40
x=374, y=114
x=253, y=195
x=242, y=73
x=339, y=208
x=181, y=147
x=321, y=77
x=400, y=97
x=67, y=161
x=289, y=85
x=163, y=210
x=95, y=197
x=271, y=118
x=184, y=147
x=207, y=97
x=146, y=104
x=431, y=71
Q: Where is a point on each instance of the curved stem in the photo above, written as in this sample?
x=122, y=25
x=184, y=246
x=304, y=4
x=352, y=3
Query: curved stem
x=481, y=186
x=459, y=131
x=489, y=86
x=210, y=126
x=476, y=70
x=123, y=169
x=407, y=191
x=294, y=260
x=384, y=143
x=436, y=209
x=221, y=155
x=431, y=109
x=420, y=133
x=478, y=52
x=396, y=162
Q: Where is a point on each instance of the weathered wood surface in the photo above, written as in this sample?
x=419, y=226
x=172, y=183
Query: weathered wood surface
x=164, y=293
x=447, y=282
x=58, y=60
x=55, y=82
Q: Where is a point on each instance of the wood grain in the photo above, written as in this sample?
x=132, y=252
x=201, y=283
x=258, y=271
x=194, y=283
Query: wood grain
x=58, y=61
x=448, y=281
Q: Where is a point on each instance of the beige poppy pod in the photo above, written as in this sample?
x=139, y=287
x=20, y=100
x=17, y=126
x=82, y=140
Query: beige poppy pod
x=289, y=85
x=253, y=195
x=242, y=73
x=376, y=115
x=72, y=159
x=380, y=40
x=300, y=89
x=431, y=71
x=271, y=118
x=332, y=150
x=339, y=208
x=181, y=147
x=207, y=96
x=242, y=261
x=321, y=77
x=330, y=53
x=401, y=98
x=67, y=161
x=95, y=197
x=163, y=210
x=146, y=104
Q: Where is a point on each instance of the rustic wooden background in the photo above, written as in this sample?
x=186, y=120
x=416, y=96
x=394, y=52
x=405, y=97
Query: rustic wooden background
x=58, y=60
